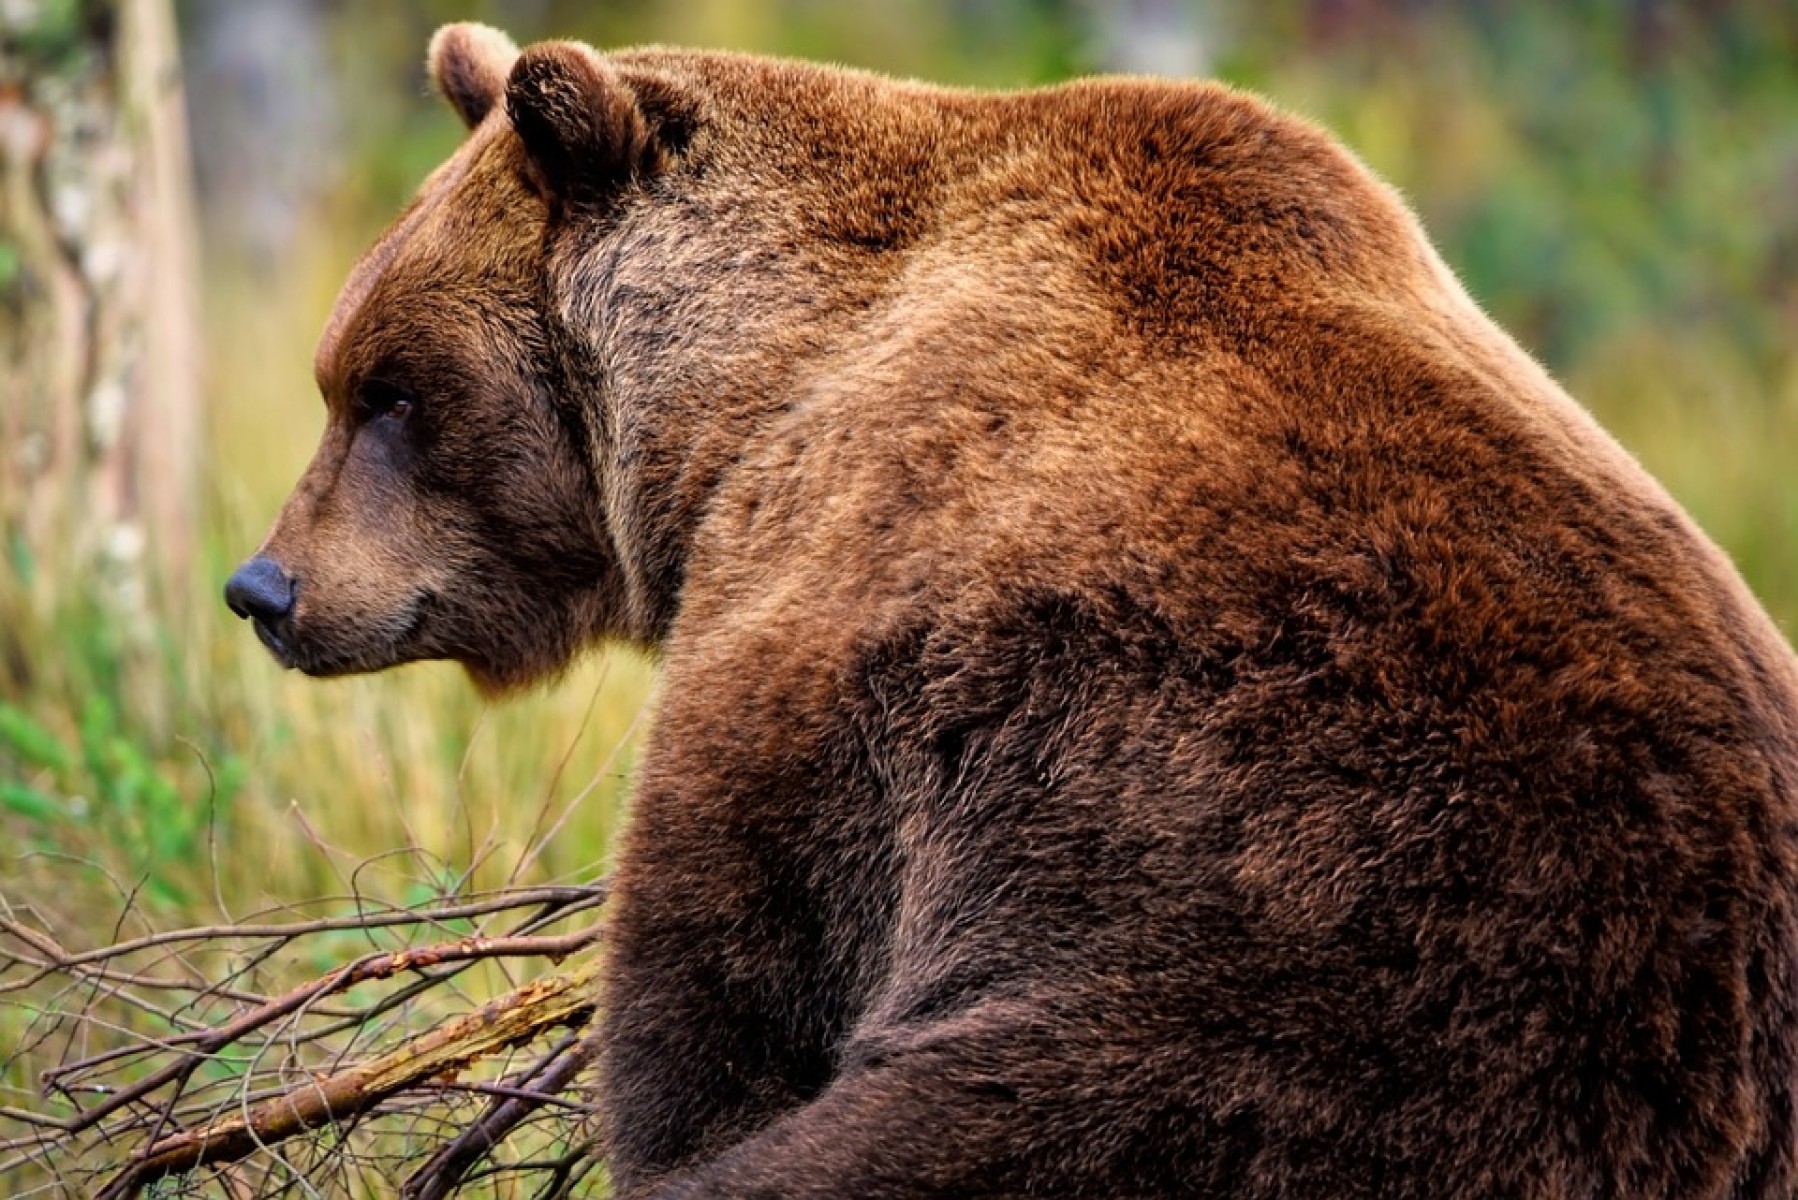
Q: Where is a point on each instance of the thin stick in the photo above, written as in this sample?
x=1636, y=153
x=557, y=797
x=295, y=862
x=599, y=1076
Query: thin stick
x=446, y=1169
x=499, y=902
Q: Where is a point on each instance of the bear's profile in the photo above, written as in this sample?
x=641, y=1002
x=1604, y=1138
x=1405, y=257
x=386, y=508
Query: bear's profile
x=1161, y=696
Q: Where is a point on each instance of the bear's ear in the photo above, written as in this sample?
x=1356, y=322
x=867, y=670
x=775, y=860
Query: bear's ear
x=584, y=129
x=469, y=64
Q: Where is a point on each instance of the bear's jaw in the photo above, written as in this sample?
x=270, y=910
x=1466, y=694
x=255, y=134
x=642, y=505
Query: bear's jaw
x=536, y=648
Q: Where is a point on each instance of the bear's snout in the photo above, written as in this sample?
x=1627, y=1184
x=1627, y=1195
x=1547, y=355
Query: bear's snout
x=262, y=591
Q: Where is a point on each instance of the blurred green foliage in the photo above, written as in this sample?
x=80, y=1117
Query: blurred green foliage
x=103, y=753
x=102, y=785
x=1588, y=167
x=47, y=32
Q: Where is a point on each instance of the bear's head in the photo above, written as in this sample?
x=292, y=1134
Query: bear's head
x=453, y=509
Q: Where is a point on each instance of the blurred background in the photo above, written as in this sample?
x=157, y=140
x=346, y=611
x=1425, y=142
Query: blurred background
x=1617, y=182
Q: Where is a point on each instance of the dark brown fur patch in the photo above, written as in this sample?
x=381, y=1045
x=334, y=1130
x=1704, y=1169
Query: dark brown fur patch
x=1162, y=697
x=582, y=127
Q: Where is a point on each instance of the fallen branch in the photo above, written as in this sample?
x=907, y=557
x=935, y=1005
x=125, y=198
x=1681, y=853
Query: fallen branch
x=504, y=1023
x=371, y=967
x=222, y=1070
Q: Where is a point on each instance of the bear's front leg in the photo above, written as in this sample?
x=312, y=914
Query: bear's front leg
x=998, y=1099
x=750, y=906
x=718, y=1020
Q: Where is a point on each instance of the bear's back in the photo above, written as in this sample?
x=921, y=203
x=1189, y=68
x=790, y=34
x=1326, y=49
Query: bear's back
x=1197, y=329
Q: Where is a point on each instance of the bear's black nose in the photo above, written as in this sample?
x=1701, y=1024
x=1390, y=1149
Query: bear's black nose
x=260, y=589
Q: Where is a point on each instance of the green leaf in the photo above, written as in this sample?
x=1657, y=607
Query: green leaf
x=31, y=741
x=231, y=774
x=52, y=32
x=29, y=802
x=96, y=730
x=23, y=561
x=166, y=891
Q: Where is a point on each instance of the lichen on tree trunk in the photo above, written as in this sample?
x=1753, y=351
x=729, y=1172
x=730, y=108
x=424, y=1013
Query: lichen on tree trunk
x=98, y=364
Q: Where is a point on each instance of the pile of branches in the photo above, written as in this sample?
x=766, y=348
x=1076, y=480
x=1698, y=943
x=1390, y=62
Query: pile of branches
x=417, y=1055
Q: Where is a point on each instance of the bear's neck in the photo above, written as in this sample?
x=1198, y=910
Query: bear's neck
x=714, y=306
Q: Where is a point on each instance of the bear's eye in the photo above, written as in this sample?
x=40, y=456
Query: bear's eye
x=382, y=399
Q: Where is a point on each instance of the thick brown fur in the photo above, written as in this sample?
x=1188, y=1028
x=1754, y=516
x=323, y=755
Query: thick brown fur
x=1162, y=697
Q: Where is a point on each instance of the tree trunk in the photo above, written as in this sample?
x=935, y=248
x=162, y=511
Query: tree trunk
x=98, y=365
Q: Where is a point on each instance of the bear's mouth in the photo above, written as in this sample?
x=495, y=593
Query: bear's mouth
x=393, y=641
x=277, y=645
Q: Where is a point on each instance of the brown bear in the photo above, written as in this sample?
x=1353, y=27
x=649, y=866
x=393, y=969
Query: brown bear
x=1161, y=696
